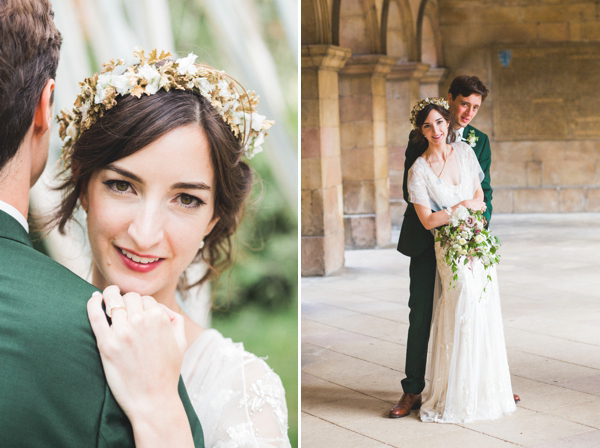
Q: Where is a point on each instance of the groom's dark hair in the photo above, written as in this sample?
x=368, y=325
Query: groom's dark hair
x=466, y=86
x=29, y=53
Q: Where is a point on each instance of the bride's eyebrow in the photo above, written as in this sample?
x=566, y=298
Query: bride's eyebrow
x=124, y=173
x=191, y=185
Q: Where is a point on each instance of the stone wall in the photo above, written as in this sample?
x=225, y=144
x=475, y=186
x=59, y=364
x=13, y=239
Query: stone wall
x=545, y=174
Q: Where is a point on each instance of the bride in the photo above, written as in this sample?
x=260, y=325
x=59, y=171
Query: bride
x=154, y=153
x=470, y=378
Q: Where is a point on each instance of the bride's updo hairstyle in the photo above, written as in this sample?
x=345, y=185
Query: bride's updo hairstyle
x=131, y=124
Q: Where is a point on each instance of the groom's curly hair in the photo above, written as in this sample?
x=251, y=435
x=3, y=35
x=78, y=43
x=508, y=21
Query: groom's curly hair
x=133, y=124
x=29, y=53
x=468, y=85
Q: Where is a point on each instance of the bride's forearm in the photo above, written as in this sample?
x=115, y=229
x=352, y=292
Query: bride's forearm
x=169, y=427
x=429, y=219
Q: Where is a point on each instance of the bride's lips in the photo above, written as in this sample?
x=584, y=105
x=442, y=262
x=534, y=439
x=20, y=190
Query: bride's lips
x=149, y=262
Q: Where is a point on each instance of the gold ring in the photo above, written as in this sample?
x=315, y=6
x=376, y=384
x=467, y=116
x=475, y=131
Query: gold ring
x=110, y=309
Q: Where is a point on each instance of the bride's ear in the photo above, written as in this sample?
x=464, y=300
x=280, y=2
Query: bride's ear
x=211, y=225
x=83, y=199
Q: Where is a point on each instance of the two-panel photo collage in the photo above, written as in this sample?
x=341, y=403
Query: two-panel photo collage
x=299, y=223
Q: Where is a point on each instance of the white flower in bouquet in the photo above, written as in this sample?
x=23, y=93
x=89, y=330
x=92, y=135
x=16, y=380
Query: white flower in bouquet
x=461, y=213
x=466, y=240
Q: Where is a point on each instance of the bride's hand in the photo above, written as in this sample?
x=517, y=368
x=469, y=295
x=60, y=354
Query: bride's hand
x=475, y=204
x=142, y=351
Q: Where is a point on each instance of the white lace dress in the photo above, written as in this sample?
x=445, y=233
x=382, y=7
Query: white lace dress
x=239, y=400
x=469, y=376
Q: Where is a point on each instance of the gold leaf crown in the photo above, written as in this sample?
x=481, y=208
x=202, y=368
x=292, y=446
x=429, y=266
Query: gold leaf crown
x=143, y=75
x=421, y=105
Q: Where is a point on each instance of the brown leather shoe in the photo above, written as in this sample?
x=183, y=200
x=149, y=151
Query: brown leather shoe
x=517, y=398
x=407, y=403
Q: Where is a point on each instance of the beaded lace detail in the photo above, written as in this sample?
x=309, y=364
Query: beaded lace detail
x=239, y=400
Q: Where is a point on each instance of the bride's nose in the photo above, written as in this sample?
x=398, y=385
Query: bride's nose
x=147, y=226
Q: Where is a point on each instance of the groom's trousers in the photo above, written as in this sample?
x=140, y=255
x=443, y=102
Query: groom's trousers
x=422, y=283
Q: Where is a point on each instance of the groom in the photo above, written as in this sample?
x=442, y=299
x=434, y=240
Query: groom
x=52, y=387
x=465, y=96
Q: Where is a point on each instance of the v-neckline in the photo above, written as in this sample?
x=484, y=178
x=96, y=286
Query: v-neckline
x=440, y=180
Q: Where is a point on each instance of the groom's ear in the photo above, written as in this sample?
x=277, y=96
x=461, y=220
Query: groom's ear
x=42, y=118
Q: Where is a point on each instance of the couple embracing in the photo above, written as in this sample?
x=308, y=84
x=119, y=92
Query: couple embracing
x=447, y=167
x=155, y=153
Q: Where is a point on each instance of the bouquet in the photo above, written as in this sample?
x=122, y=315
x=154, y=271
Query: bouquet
x=466, y=239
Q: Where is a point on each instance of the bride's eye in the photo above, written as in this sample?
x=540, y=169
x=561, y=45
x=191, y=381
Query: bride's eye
x=120, y=186
x=189, y=201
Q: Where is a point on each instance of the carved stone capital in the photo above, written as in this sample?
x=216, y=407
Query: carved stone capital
x=408, y=71
x=369, y=64
x=324, y=57
x=435, y=75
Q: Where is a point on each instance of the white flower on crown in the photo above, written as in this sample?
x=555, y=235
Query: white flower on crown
x=104, y=81
x=119, y=69
x=122, y=84
x=204, y=86
x=187, y=65
x=84, y=110
x=72, y=131
x=224, y=92
x=257, y=121
x=152, y=76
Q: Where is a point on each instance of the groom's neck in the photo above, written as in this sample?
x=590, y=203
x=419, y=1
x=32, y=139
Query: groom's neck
x=15, y=182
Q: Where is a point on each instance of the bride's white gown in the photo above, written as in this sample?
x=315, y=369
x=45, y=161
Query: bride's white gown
x=469, y=378
x=239, y=400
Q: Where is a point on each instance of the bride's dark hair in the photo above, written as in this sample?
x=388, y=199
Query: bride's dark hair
x=418, y=137
x=135, y=123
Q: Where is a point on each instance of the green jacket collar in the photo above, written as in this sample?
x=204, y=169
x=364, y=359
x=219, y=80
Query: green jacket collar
x=12, y=230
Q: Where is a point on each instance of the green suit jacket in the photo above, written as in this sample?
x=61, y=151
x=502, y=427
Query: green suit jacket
x=53, y=392
x=414, y=238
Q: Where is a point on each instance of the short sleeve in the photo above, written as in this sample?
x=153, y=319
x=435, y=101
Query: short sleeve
x=239, y=400
x=417, y=184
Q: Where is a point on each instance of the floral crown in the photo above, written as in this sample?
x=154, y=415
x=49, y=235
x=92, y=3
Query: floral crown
x=421, y=105
x=143, y=75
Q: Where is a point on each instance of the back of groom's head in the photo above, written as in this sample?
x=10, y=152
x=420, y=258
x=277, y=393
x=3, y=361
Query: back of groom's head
x=29, y=53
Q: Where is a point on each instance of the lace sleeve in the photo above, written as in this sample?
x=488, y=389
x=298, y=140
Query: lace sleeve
x=239, y=400
x=417, y=184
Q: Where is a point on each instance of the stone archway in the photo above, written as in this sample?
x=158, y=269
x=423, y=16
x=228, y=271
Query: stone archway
x=397, y=31
x=316, y=23
x=429, y=45
x=355, y=26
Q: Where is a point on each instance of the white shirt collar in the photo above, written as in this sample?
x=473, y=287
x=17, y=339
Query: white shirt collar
x=459, y=134
x=7, y=208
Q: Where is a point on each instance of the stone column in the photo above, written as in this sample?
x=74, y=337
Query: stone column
x=364, y=151
x=432, y=81
x=322, y=243
x=403, y=91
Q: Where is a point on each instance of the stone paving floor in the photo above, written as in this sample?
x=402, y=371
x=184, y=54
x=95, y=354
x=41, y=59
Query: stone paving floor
x=354, y=326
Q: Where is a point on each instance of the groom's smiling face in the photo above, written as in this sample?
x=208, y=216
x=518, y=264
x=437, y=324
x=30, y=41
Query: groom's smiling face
x=464, y=109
